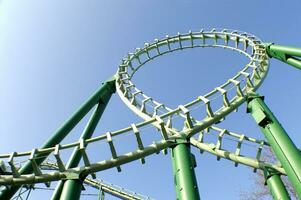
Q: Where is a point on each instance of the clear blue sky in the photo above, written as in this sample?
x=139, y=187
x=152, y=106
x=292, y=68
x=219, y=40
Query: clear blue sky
x=54, y=54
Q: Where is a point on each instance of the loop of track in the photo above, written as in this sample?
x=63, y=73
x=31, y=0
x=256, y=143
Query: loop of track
x=246, y=80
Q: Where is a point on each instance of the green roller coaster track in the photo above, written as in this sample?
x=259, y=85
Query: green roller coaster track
x=179, y=129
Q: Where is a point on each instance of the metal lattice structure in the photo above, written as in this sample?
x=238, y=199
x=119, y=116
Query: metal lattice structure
x=174, y=128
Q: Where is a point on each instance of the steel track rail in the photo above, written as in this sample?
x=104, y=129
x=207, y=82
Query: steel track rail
x=245, y=81
x=106, y=187
x=215, y=149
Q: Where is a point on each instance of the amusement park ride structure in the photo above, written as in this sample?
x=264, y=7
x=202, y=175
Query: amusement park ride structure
x=178, y=128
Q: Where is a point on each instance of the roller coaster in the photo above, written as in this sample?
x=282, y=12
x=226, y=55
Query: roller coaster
x=176, y=129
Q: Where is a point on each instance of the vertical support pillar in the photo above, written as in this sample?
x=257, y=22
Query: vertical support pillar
x=72, y=189
x=275, y=185
x=283, y=147
x=183, y=170
x=106, y=88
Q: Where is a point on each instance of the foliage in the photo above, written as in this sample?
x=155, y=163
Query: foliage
x=260, y=190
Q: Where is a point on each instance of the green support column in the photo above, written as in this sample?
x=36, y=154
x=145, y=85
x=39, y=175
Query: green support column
x=107, y=88
x=183, y=170
x=275, y=185
x=87, y=133
x=72, y=190
x=283, y=147
x=289, y=55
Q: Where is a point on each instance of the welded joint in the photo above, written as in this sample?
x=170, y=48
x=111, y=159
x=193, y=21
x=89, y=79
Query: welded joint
x=71, y=175
x=267, y=48
x=260, y=116
x=268, y=173
x=111, y=83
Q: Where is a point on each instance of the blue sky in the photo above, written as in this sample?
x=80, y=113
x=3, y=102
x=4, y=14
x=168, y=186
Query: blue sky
x=54, y=54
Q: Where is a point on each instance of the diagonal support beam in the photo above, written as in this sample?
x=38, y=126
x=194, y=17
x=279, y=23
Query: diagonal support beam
x=289, y=55
x=77, y=155
x=106, y=89
x=282, y=145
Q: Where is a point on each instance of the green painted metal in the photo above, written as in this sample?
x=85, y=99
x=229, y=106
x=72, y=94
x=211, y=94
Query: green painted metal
x=183, y=170
x=87, y=133
x=275, y=185
x=289, y=55
x=101, y=195
x=106, y=89
x=72, y=190
x=283, y=147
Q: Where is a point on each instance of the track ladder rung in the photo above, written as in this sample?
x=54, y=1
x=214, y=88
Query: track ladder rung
x=112, y=148
x=14, y=170
x=139, y=141
x=59, y=161
x=82, y=150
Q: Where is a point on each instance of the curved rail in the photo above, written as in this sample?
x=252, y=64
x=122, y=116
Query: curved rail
x=246, y=80
x=117, y=160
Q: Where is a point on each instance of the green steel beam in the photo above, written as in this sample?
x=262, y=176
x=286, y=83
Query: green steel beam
x=285, y=54
x=107, y=88
x=283, y=147
x=183, y=170
x=87, y=133
x=275, y=184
